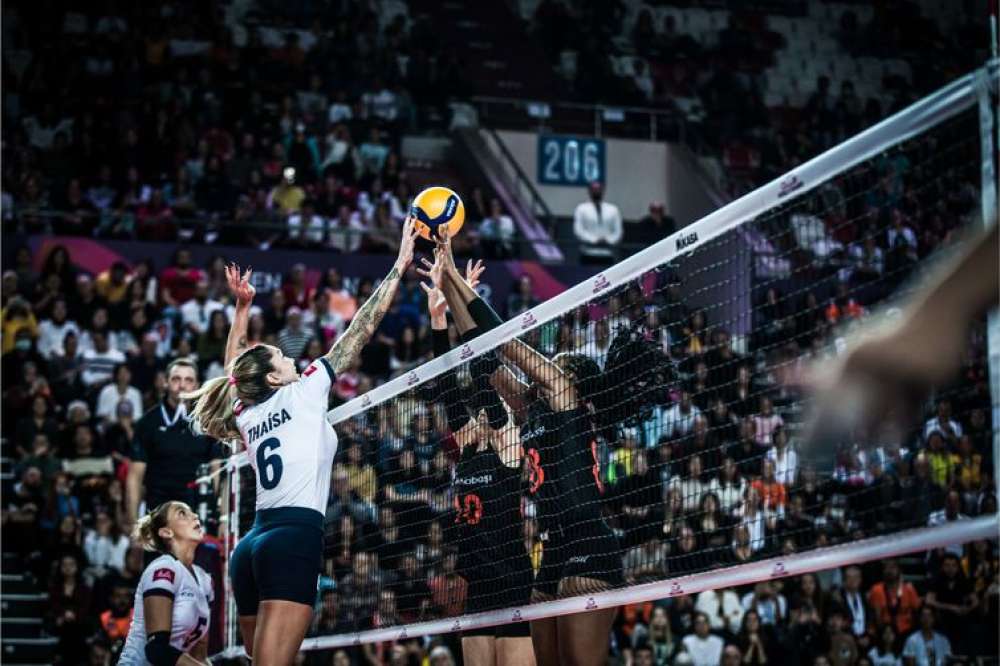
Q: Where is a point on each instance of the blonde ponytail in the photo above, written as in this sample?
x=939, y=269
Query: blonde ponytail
x=212, y=413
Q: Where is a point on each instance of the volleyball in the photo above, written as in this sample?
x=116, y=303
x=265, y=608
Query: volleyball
x=436, y=207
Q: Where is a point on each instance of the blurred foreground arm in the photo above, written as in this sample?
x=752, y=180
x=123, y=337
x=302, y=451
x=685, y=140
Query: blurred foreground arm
x=890, y=367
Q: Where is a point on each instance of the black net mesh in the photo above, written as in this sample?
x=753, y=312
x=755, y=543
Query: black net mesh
x=656, y=435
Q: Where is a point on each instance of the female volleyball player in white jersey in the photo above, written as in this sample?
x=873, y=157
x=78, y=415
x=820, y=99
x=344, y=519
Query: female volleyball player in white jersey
x=281, y=419
x=171, y=616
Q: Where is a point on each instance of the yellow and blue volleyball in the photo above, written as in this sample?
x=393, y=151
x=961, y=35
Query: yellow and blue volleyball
x=436, y=208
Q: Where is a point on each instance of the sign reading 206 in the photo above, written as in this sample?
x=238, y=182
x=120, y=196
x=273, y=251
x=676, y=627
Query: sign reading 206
x=570, y=160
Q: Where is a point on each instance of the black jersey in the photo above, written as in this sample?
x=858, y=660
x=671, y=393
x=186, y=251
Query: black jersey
x=488, y=521
x=564, y=473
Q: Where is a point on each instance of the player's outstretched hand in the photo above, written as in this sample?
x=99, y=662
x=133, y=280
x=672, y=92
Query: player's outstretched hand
x=473, y=271
x=433, y=271
x=239, y=285
x=886, y=371
x=406, y=246
x=443, y=240
x=437, y=305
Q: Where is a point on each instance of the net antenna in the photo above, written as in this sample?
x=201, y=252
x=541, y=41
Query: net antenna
x=730, y=261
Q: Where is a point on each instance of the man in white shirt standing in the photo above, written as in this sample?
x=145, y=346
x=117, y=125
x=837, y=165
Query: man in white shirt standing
x=197, y=312
x=496, y=232
x=926, y=647
x=305, y=227
x=705, y=648
x=597, y=225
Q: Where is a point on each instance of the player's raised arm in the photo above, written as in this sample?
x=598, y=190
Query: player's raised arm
x=558, y=387
x=505, y=440
x=459, y=298
x=463, y=427
x=348, y=346
x=243, y=292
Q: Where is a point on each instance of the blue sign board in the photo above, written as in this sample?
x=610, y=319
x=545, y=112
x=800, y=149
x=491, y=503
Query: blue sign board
x=570, y=160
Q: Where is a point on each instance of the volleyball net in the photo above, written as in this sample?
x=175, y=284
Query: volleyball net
x=676, y=463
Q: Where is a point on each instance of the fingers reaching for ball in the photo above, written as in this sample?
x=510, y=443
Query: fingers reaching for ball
x=443, y=241
x=473, y=271
x=437, y=306
x=432, y=271
x=406, y=246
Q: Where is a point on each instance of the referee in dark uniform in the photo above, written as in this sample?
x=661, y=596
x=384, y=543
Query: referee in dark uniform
x=165, y=443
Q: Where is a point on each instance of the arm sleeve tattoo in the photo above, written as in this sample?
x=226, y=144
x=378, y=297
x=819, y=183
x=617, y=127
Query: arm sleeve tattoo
x=348, y=346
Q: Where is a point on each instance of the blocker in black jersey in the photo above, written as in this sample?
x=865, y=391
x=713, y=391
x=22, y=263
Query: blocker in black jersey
x=488, y=531
x=565, y=482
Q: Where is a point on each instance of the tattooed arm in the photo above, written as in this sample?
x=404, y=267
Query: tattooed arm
x=348, y=346
x=244, y=292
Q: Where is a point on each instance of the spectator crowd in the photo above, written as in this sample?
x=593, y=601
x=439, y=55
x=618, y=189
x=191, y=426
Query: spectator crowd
x=188, y=122
x=184, y=129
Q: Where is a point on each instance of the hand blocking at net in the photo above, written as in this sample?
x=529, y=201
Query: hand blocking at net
x=551, y=425
x=485, y=486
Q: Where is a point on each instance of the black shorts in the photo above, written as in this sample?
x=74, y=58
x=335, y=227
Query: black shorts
x=280, y=558
x=491, y=587
x=585, y=550
x=512, y=630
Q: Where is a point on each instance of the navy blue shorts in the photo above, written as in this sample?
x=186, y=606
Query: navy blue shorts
x=280, y=558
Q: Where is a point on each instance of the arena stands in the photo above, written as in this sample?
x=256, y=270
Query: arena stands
x=810, y=73
x=235, y=124
x=178, y=121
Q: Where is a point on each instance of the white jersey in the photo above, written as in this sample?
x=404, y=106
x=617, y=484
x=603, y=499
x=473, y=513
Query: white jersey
x=289, y=442
x=191, y=590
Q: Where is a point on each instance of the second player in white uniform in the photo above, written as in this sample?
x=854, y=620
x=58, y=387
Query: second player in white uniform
x=172, y=613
